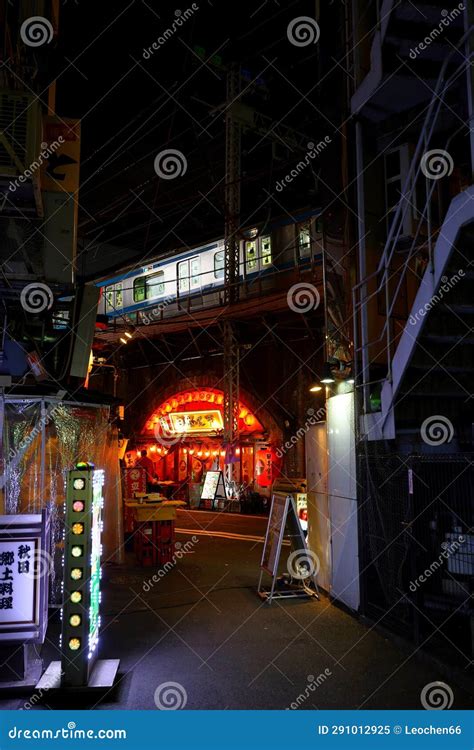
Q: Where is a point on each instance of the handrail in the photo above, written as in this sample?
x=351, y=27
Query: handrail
x=443, y=84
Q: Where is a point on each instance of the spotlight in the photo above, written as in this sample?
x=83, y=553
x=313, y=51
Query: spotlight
x=328, y=377
x=315, y=388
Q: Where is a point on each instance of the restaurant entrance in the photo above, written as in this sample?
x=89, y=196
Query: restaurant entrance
x=183, y=437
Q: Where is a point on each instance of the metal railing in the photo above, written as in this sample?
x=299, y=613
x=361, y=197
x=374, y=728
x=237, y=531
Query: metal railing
x=384, y=270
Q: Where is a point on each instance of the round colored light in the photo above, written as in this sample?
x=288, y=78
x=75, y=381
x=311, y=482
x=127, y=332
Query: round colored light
x=78, y=506
x=77, y=551
x=77, y=528
x=79, y=483
x=75, y=620
x=76, y=597
x=76, y=574
x=74, y=644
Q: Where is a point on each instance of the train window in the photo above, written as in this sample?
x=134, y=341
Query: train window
x=304, y=240
x=189, y=274
x=155, y=284
x=195, y=272
x=113, y=297
x=139, y=289
x=251, y=255
x=266, y=251
x=183, y=276
x=219, y=261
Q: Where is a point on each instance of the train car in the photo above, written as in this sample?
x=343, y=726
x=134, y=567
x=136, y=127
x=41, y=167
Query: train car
x=194, y=277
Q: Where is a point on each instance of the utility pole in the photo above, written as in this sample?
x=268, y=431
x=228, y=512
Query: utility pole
x=232, y=261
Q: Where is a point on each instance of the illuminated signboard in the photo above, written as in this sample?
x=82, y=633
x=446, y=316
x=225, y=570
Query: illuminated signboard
x=82, y=552
x=25, y=565
x=214, y=486
x=188, y=422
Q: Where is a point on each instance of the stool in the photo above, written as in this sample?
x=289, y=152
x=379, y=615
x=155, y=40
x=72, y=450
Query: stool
x=163, y=540
x=144, y=545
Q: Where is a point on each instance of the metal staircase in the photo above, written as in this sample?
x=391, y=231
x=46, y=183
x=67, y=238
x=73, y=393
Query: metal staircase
x=396, y=61
x=430, y=364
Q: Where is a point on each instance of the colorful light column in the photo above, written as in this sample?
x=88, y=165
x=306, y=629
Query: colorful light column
x=82, y=553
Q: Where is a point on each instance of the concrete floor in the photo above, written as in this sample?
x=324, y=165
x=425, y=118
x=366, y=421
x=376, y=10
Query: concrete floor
x=203, y=626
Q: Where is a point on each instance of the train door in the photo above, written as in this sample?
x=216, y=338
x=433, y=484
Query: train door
x=257, y=254
x=189, y=275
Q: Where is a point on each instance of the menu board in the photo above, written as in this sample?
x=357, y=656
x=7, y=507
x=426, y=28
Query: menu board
x=213, y=486
x=275, y=531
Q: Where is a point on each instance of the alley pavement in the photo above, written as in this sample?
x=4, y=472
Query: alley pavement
x=201, y=627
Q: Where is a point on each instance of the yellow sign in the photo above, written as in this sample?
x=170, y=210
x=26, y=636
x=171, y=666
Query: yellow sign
x=61, y=153
x=186, y=422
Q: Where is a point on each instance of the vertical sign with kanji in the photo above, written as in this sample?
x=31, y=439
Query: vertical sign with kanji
x=135, y=481
x=25, y=565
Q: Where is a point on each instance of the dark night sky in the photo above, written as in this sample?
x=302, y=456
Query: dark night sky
x=132, y=108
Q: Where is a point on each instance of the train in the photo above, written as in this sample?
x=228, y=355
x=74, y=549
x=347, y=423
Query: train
x=194, y=277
